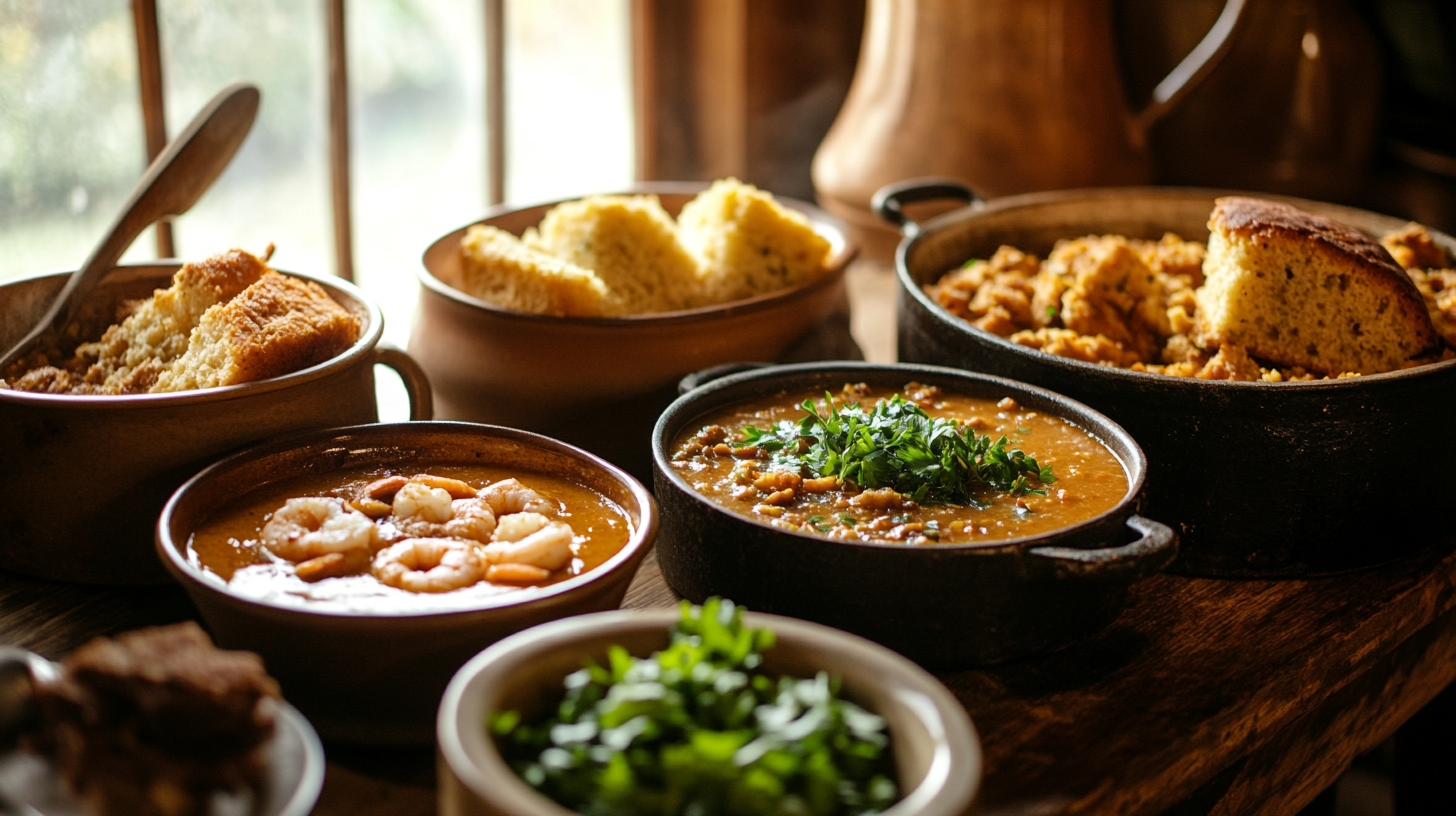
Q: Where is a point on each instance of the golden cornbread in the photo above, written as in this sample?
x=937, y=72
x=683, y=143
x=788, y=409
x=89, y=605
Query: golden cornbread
x=131, y=355
x=277, y=325
x=499, y=268
x=1300, y=289
x=748, y=244
x=631, y=244
x=1430, y=269
x=225, y=320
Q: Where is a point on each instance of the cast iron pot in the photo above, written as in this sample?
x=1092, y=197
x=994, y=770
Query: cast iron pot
x=942, y=605
x=1261, y=479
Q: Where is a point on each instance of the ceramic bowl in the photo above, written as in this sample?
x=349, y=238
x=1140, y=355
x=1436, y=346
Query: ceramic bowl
x=939, y=604
x=937, y=754
x=1261, y=479
x=86, y=476
x=377, y=678
x=563, y=375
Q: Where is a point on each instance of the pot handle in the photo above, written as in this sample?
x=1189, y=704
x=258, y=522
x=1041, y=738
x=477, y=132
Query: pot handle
x=717, y=372
x=1155, y=548
x=888, y=201
x=421, y=400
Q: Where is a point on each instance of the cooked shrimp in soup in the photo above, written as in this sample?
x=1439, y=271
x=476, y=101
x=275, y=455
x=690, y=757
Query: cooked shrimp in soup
x=380, y=541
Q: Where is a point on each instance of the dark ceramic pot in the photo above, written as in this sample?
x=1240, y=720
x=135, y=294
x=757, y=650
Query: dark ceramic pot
x=942, y=605
x=1261, y=479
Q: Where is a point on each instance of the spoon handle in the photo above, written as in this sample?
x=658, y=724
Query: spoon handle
x=170, y=186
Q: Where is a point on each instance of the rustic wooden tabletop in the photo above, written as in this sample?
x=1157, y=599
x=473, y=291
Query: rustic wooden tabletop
x=1205, y=697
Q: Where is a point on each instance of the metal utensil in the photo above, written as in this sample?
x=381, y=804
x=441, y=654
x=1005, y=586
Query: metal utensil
x=170, y=186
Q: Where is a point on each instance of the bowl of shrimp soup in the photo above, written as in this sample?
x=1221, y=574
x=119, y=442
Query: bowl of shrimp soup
x=367, y=564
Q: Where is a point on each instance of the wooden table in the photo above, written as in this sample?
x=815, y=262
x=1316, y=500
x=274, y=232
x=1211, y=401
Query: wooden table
x=1204, y=697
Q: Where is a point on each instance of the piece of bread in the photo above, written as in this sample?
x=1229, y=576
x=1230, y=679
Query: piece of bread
x=1299, y=289
x=132, y=354
x=497, y=267
x=278, y=325
x=631, y=244
x=748, y=244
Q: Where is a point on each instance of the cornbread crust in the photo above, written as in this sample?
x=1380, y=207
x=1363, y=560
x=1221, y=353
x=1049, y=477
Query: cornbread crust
x=498, y=267
x=747, y=243
x=1357, y=309
x=277, y=325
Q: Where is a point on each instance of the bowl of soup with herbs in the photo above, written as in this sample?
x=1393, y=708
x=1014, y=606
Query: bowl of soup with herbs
x=366, y=564
x=955, y=517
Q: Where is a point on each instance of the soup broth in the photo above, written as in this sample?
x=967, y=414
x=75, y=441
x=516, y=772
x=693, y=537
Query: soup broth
x=717, y=458
x=238, y=546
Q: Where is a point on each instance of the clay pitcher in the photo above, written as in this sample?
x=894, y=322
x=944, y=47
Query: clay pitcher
x=1004, y=96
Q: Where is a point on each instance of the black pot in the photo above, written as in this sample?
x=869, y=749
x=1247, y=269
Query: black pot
x=1261, y=479
x=943, y=605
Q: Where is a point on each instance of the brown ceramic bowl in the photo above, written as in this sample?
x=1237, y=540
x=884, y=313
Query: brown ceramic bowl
x=85, y=476
x=937, y=754
x=377, y=679
x=1261, y=479
x=557, y=375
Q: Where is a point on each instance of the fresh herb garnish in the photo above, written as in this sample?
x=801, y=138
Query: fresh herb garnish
x=697, y=729
x=898, y=445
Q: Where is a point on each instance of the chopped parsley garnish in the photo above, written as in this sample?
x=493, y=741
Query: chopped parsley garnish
x=898, y=445
x=699, y=729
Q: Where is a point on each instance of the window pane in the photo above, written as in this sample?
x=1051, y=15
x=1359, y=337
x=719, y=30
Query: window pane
x=71, y=140
x=417, y=84
x=568, y=98
x=277, y=187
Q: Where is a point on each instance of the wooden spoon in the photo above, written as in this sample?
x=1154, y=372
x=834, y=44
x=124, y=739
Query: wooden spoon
x=171, y=185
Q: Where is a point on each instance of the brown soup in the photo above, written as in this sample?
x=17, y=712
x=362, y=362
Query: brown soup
x=716, y=458
x=385, y=540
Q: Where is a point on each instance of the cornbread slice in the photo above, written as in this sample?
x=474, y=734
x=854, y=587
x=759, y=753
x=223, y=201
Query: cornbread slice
x=132, y=354
x=277, y=325
x=631, y=244
x=498, y=267
x=1304, y=290
x=748, y=244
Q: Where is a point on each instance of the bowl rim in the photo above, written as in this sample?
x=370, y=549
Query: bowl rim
x=368, y=338
x=1135, y=471
x=946, y=790
x=823, y=222
x=192, y=577
x=1038, y=200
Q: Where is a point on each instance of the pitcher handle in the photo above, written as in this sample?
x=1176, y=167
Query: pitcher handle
x=422, y=402
x=1194, y=68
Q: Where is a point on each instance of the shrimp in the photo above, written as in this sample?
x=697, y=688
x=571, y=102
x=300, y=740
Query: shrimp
x=531, y=539
x=429, y=565
x=424, y=503
x=510, y=496
x=462, y=518
x=313, y=526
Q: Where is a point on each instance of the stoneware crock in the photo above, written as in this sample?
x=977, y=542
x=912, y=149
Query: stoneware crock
x=942, y=605
x=937, y=753
x=1260, y=479
x=85, y=476
x=598, y=382
x=377, y=679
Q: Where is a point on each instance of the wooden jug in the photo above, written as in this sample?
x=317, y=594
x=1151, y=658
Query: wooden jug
x=1005, y=96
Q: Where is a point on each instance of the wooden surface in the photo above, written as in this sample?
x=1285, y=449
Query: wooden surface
x=1204, y=697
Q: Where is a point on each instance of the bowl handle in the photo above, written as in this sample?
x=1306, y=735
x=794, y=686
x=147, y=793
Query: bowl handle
x=1154, y=549
x=888, y=201
x=717, y=372
x=422, y=402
